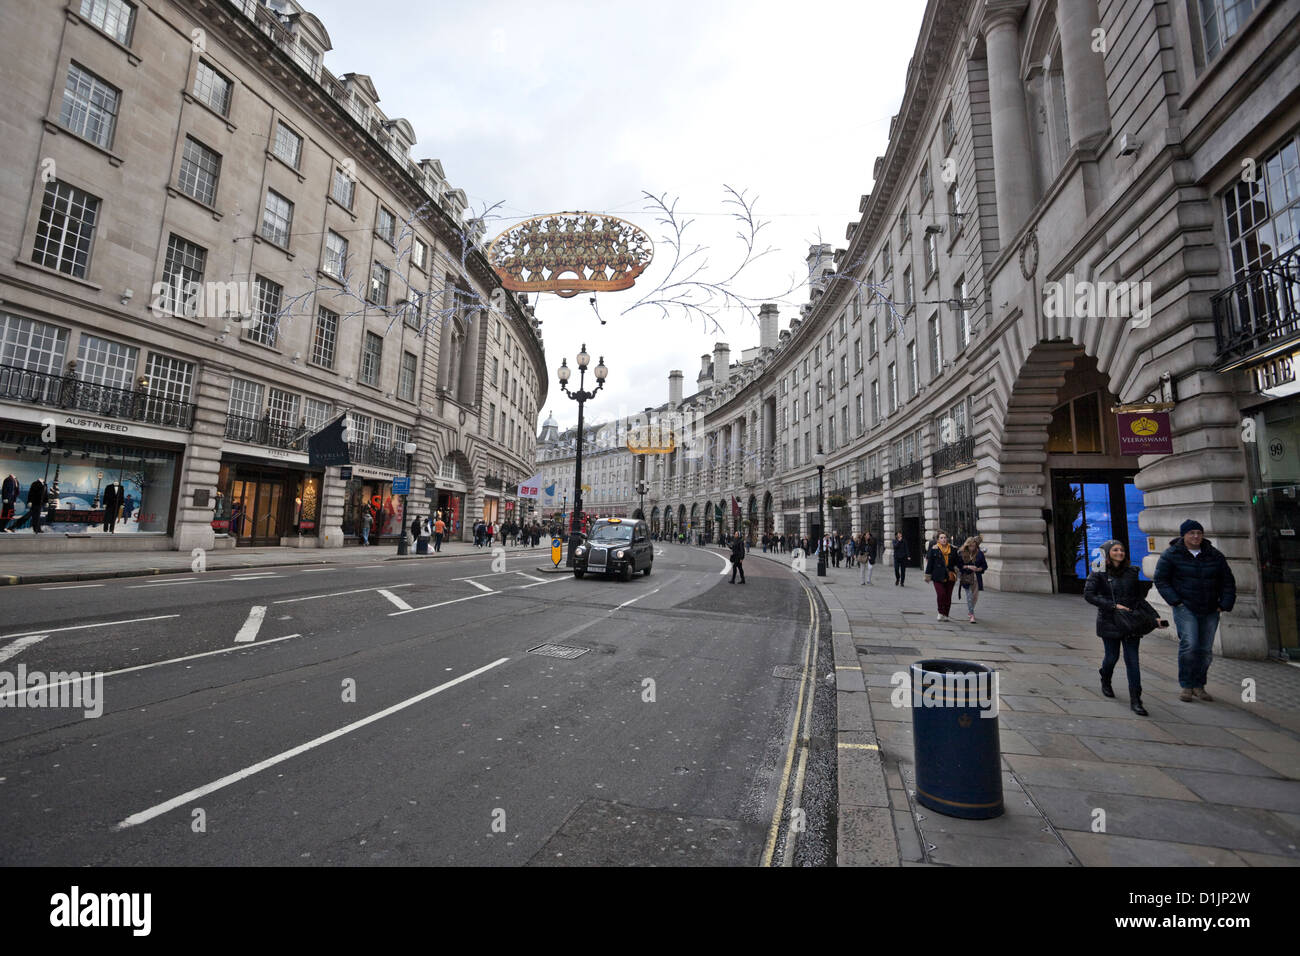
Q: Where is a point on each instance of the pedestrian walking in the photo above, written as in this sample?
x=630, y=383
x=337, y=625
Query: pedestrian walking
x=439, y=530
x=416, y=525
x=738, y=559
x=367, y=519
x=971, y=565
x=1116, y=588
x=902, y=555
x=940, y=570
x=872, y=548
x=1194, y=578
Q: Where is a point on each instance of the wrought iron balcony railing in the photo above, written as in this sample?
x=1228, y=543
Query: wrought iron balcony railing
x=950, y=457
x=264, y=431
x=789, y=503
x=67, y=392
x=871, y=486
x=906, y=475
x=1260, y=312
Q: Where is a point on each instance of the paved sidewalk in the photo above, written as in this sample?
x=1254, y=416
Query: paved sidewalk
x=1214, y=784
x=51, y=568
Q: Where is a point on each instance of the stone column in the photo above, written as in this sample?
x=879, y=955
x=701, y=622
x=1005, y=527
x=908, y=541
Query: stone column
x=203, y=459
x=332, y=496
x=1013, y=168
x=1085, y=73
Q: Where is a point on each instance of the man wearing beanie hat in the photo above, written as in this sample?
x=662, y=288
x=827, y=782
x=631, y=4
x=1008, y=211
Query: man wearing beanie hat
x=1194, y=577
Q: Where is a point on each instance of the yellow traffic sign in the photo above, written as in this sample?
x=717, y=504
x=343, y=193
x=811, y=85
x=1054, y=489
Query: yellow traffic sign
x=557, y=551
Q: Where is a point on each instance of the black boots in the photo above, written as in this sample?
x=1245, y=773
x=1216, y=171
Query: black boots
x=1135, y=704
x=1106, y=689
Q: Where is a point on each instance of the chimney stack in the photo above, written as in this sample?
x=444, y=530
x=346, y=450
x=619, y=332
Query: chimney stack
x=768, y=322
x=675, y=387
x=706, y=372
x=721, y=363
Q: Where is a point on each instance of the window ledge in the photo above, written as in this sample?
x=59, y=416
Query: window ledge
x=321, y=368
x=333, y=278
x=329, y=198
x=270, y=348
x=74, y=17
x=274, y=245
x=61, y=275
x=191, y=98
x=293, y=169
x=55, y=128
x=181, y=194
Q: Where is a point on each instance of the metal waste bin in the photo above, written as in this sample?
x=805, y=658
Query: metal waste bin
x=955, y=738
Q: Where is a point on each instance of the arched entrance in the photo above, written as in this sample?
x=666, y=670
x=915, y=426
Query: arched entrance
x=769, y=524
x=654, y=520
x=708, y=521
x=752, y=530
x=453, y=483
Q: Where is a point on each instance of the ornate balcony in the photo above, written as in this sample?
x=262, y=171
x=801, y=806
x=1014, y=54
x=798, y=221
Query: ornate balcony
x=950, y=457
x=70, y=393
x=906, y=475
x=871, y=486
x=1260, y=314
x=263, y=431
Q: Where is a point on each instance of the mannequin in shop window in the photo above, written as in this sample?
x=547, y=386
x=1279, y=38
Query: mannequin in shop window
x=8, y=496
x=112, y=502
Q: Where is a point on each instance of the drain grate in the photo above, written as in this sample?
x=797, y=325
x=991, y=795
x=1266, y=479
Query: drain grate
x=563, y=651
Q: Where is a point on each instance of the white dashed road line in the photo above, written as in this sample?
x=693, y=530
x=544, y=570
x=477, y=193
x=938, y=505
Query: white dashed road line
x=72, y=587
x=395, y=599
x=20, y=645
x=82, y=627
x=317, y=597
x=254, y=624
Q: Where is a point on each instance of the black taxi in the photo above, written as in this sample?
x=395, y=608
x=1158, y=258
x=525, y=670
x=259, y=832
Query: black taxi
x=615, y=546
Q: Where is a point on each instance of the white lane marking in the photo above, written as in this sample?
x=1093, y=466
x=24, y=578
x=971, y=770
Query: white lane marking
x=169, y=584
x=367, y=567
x=726, y=561
x=481, y=587
x=429, y=607
x=20, y=645
x=72, y=587
x=252, y=577
x=82, y=627
x=531, y=577
x=317, y=570
x=635, y=599
x=317, y=597
x=254, y=624
x=395, y=599
x=525, y=587
x=145, y=667
x=146, y=815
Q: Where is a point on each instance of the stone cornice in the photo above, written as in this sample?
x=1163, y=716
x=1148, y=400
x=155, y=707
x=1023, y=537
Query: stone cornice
x=1001, y=12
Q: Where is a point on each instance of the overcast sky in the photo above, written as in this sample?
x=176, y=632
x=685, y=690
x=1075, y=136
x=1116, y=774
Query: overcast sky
x=555, y=106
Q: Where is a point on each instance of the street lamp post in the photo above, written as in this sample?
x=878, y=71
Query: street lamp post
x=642, y=487
x=581, y=397
x=819, y=460
x=401, y=538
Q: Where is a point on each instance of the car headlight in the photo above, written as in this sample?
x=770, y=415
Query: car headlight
x=620, y=554
x=580, y=550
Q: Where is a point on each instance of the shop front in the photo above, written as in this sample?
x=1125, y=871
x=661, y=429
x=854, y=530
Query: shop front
x=267, y=501
x=370, y=490
x=93, y=477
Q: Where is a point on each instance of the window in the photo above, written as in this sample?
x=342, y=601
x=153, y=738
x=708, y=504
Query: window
x=379, y=285
x=89, y=106
x=492, y=420
x=1263, y=217
x=949, y=129
x=277, y=219
x=315, y=414
x=1220, y=21
x=386, y=226
x=336, y=254
x=936, y=346
x=925, y=182
x=182, y=270
x=113, y=17
x=931, y=255
x=857, y=349
x=886, y=262
x=361, y=429
x=371, y=356
x=857, y=304
x=65, y=229
x=844, y=362
x=915, y=382
x=796, y=409
x=325, y=338
x=954, y=206
x=857, y=407
x=267, y=311
x=200, y=169
x=893, y=387
x=212, y=88
x=805, y=367
x=957, y=424
x=102, y=362
x=288, y=145
x=343, y=189
x=406, y=380
x=503, y=426
x=871, y=341
x=383, y=434
x=245, y=398
x=817, y=355
x=807, y=405
x=904, y=227
x=875, y=401
x=830, y=422
x=282, y=408
x=909, y=295
x=1076, y=427
x=496, y=368
x=170, y=379
x=31, y=345
x=963, y=313
x=419, y=253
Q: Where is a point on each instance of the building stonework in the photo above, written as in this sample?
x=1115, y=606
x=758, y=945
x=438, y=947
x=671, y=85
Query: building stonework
x=936, y=365
x=213, y=247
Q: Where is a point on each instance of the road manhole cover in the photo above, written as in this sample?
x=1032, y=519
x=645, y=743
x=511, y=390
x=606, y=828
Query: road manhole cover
x=558, y=650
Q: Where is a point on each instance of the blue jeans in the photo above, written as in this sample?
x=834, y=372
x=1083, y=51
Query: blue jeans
x=1130, y=649
x=365, y=535
x=1195, y=645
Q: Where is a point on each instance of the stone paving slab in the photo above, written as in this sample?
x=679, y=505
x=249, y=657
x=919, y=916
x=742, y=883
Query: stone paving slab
x=1098, y=776
x=1107, y=849
x=1263, y=792
x=1150, y=753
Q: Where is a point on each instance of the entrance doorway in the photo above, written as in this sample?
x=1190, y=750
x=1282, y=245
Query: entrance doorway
x=260, y=518
x=1089, y=508
x=907, y=519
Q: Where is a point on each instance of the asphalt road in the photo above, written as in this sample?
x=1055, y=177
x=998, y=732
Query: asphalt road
x=393, y=714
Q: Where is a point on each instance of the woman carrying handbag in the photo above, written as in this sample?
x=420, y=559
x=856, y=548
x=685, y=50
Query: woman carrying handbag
x=1123, y=616
x=941, y=570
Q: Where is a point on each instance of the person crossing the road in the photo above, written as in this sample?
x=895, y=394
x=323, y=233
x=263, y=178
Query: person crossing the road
x=738, y=559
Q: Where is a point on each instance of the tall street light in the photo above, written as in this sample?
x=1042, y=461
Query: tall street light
x=819, y=460
x=642, y=487
x=580, y=396
x=409, y=448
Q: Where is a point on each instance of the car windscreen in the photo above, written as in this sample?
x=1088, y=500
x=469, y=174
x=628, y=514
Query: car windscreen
x=612, y=534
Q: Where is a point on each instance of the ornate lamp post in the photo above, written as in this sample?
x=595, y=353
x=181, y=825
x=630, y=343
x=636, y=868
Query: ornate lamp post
x=819, y=460
x=409, y=448
x=642, y=487
x=581, y=397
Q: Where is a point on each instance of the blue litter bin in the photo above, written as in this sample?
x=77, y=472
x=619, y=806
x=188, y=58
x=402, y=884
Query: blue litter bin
x=955, y=738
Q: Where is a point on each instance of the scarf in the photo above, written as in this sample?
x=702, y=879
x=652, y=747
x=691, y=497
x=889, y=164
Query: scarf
x=945, y=550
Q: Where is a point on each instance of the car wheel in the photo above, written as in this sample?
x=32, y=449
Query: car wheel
x=646, y=572
x=628, y=571
x=578, y=573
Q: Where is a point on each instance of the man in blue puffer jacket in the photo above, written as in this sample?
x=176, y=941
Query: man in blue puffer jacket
x=1194, y=577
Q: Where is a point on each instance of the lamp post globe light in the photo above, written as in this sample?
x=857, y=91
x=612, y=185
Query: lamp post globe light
x=580, y=396
x=409, y=448
x=819, y=460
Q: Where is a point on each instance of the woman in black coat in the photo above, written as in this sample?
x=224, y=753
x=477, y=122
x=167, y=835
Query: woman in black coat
x=902, y=554
x=941, y=570
x=1117, y=588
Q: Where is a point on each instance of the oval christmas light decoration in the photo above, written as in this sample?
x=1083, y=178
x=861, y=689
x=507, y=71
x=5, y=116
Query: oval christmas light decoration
x=571, y=252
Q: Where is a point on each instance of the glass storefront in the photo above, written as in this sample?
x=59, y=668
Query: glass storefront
x=91, y=486
x=260, y=504
x=1274, y=468
x=1090, y=508
x=385, y=508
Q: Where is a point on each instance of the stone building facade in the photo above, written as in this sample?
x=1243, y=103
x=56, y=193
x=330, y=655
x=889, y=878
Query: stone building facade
x=1083, y=205
x=213, y=247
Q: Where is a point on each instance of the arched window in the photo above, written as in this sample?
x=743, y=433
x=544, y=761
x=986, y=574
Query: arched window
x=1076, y=427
